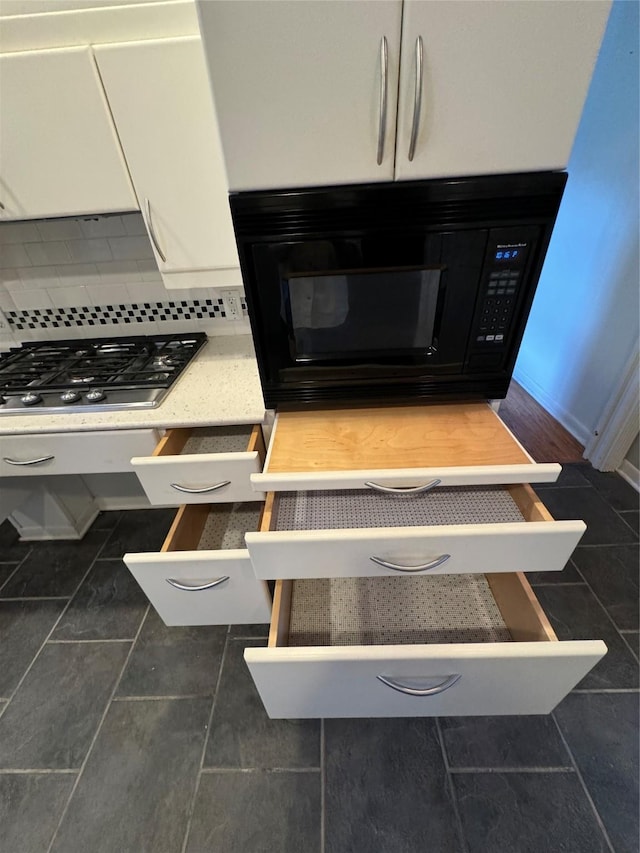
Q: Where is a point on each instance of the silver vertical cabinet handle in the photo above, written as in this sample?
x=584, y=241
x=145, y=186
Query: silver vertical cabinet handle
x=28, y=461
x=382, y=127
x=394, y=684
x=407, y=491
x=203, y=491
x=152, y=233
x=196, y=587
x=417, y=99
x=423, y=567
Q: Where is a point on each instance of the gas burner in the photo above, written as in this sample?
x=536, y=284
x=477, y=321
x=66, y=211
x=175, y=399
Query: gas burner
x=163, y=361
x=157, y=377
x=81, y=380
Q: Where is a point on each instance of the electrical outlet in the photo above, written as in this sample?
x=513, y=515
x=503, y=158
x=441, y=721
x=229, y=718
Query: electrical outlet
x=231, y=303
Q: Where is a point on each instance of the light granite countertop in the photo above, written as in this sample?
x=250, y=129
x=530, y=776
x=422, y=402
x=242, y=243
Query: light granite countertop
x=221, y=386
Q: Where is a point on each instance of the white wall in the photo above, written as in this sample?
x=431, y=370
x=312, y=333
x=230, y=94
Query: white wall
x=584, y=321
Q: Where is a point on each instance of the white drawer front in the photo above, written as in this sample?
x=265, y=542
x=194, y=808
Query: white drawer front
x=511, y=547
x=197, y=478
x=472, y=475
x=73, y=452
x=494, y=678
x=240, y=599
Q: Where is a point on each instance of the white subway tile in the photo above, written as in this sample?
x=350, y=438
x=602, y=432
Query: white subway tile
x=9, y=275
x=130, y=248
x=59, y=229
x=34, y=277
x=118, y=272
x=148, y=265
x=18, y=232
x=108, y=294
x=134, y=224
x=147, y=291
x=6, y=301
x=14, y=255
x=214, y=327
x=43, y=254
x=27, y=299
x=170, y=327
x=71, y=297
x=89, y=251
x=102, y=226
x=74, y=275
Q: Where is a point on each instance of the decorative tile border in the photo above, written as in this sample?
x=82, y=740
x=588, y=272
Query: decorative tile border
x=135, y=312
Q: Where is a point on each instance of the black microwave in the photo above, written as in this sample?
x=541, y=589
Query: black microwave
x=393, y=292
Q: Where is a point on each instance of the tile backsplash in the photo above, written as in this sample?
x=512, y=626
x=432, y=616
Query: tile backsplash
x=95, y=276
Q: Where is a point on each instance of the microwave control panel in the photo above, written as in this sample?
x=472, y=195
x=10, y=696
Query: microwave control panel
x=499, y=293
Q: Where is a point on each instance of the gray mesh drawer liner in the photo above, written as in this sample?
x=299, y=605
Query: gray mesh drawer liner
x=382, y=611
x=226, y=525
x=232, y=439
x=364, y=508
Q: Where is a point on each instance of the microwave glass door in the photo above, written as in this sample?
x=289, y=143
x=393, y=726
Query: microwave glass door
x=344, y=314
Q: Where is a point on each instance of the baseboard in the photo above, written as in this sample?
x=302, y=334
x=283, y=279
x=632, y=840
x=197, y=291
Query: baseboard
x=578, y=430
x=630, y=473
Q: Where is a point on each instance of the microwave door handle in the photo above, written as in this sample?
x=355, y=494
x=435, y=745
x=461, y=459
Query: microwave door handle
x=417, y=99
x=382, y=126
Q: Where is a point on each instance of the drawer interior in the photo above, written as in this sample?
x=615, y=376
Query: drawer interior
x=212, y=527
x=490, y=608
x=222, y=439
x=363, y=508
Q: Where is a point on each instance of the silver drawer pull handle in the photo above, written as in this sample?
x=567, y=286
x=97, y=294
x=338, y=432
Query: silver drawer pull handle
x=382, y=126
x=417, y=99
x=28, y=461
x=424, y=567
x=196, y=587
x=404, y=490
x=202, y=491
x=152, y=233
x=394, y=684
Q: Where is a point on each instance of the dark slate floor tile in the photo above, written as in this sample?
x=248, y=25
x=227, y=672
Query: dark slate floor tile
x=53, y=716
x=24, y=626
x=386, y=788
x=173, y=661
x=30, y=807
x=107, y=520
x=260, y=812
x=602, y=733
x=139, y=530
x=108, y=606
x=6, y=570
x=502, y=742
x=242, y=735
x=604, y=526
x=259, y=631
x=572, y=474
x=137, y=786
x=631, y=518
x=633, y=639
x=11, y=549
x=527, y=813
x=614, y=489
x=54, y=568
x=568, y=575
x=575, y=614
x=612, y=573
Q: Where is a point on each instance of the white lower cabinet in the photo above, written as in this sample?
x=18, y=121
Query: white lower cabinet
x=203, y=575
x=476, y=647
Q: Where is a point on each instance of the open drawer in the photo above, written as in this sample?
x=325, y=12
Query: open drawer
x=326, y=534
x=459, y=444
x=202, y=465
x=203, y=575
x=412, y=647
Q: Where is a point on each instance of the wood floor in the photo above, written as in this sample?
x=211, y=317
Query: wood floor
x=539, y=433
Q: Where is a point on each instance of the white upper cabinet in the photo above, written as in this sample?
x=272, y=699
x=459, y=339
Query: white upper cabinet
x=503, y=84
x=297, y=86
x=59, y=155
x=500, y=86
x=161, y=103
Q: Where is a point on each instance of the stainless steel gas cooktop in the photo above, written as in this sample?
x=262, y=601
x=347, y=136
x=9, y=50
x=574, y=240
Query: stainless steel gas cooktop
x=103, y=374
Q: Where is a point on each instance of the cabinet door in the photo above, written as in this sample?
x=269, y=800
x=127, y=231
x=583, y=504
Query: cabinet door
x=503, y=84
x=161, y=103
x=59, y=155
x=297, y=89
